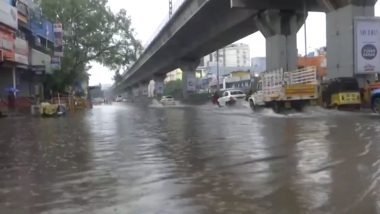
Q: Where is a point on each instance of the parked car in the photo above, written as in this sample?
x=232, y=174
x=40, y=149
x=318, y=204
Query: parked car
x=167, y=100
x=230, y=97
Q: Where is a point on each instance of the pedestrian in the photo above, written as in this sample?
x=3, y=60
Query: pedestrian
x=215, y=98
x=11, y=100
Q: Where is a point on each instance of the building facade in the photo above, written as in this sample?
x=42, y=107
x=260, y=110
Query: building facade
x=26, y=49
x=232, y=57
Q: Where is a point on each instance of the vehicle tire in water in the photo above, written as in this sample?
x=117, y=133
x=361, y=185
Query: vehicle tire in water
x=252, y=105
x=277, y=107
x=299, y=106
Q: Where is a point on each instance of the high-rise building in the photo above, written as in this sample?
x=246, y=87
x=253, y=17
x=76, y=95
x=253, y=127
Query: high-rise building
x=234, y=57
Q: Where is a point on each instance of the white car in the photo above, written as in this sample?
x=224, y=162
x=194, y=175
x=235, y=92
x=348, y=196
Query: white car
x=230, y=97
x=167, y=100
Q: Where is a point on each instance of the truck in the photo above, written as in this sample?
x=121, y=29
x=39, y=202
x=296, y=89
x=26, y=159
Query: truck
x=279, y=89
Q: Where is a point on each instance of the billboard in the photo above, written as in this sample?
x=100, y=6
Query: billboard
x=8, y=15
x=367, y=45
x=191, y=81
x=55, y=62
x=7, y=43
x=58, y=40
x=42, y=28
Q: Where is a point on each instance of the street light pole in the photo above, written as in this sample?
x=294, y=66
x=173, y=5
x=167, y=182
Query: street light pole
x=217, y=71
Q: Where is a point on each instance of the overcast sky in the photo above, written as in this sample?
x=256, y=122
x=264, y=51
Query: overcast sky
x=148, y=15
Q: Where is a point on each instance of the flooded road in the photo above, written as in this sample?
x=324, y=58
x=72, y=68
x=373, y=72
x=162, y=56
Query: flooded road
x=133, y=159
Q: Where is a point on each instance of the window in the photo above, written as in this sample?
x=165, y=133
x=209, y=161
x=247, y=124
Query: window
x=22, y=8
x=225, y=94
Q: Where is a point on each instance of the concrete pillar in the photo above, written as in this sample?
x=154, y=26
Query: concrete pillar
x=188, y=77
x=159, y=85
x=135, y=91
x=143, y=88
x=129, y=93
x=280, y=30
x=340, y=35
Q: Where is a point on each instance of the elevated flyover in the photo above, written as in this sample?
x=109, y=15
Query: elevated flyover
x=200, y=27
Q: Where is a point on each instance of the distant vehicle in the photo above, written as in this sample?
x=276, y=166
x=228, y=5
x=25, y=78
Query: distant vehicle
x=375, y=97
x=167, y=100
x=230, y=97
x=97, y=100
x=285, y=90
x=341, y=92
x=119, y=98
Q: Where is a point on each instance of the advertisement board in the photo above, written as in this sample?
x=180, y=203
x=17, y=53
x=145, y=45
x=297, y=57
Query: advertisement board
x=58, y=40
x=8, y=15
x=367, y=45
x=42, y=28
x=7, y=43
x=159, y=87
x=55, y=63
x=22, y=53
x=191, y=81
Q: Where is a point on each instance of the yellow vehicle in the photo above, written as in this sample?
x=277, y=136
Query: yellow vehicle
x=340, y=93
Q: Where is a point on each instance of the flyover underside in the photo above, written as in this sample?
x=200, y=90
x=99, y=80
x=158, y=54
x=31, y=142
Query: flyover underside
x=214, y=26
x=203, y=26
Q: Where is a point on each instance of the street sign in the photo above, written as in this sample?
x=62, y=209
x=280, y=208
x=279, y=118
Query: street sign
x=367, y=45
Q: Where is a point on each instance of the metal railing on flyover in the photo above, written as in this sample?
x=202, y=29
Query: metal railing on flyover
x=176, y=4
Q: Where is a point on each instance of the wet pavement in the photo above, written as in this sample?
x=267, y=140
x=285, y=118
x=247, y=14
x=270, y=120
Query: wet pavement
x=126, y=158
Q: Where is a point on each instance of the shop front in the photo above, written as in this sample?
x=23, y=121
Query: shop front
x=40, y=66
x=7, y=58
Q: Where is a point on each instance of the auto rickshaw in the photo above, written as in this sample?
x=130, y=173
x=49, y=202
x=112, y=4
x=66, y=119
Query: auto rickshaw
x=341, y=93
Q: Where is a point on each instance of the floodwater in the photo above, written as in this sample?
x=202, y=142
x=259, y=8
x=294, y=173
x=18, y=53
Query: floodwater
x=126, y=158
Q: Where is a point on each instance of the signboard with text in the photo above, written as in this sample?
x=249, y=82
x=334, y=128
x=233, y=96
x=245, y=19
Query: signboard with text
x=191, y=81
x=58, y=40
x=7, y=43
x=367, y=45
x=43, y=28
x=56, y=63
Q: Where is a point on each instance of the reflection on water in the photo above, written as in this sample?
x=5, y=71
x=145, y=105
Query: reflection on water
x=127, y=158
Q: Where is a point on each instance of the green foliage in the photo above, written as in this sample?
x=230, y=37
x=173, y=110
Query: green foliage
x=174, y=88
x=92, y=33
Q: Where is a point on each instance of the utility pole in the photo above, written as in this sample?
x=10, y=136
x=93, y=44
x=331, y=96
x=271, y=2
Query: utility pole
x=305, y=32
x=170, y=8
x=217, y=71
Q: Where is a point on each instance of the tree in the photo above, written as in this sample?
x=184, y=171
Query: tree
x=92, y=33
x=174, y=88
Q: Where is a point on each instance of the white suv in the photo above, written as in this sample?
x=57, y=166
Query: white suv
x=230, y=97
